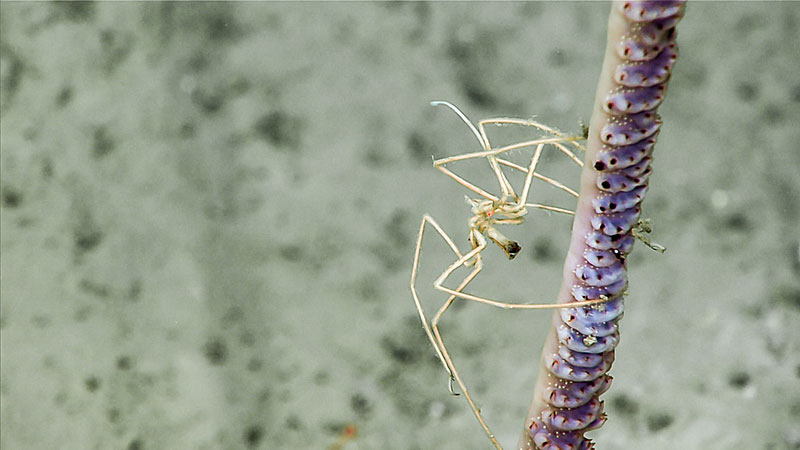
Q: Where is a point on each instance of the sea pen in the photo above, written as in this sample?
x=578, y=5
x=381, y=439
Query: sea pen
x=579, y=350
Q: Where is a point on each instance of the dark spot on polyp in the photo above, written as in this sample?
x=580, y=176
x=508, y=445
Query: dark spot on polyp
x=659, y=421
x=253, y=435
x=606, y=185
x=599, y=165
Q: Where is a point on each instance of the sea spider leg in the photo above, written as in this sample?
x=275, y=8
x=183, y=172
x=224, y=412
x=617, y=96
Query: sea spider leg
x=552, y=131
x=643, y=227
x=479, y=243
x=440, y=165
x=531, y=169
x=539, y=176
x=463, y=260
x=505, y=185
x=508, y=209
x=557, y=140
x=482, y=137
x=432, y=328
x=426, y=219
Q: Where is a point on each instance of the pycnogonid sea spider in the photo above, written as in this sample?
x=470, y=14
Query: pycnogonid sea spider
x=489, y=211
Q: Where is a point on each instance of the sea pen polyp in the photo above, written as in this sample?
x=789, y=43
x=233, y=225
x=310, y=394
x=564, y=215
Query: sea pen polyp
x=579, y=350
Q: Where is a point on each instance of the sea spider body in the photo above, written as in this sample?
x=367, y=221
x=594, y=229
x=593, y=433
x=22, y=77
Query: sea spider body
x=487, y=214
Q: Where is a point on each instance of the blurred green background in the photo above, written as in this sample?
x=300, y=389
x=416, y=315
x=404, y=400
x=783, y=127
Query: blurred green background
x=209, y=212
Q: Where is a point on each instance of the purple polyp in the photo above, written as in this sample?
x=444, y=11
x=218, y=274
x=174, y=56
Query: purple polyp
x=579, y=342
x=575, y=418
x=630, y=129
x=618, y=202
x=600, y=276
x=634, y=100
x=566, y=371
x=637, y=51
x=613, y=158
x=650, y=73
x=595, y=318
x=620, y=182
x=589, y=327
x=599, y=258
x=620, y=223
x=581, y=292
x=574, y=394
x=655, y=31
x=645, y=11
x=639, y=169
x=578, y=359
x=600, y=241
x=545, y=440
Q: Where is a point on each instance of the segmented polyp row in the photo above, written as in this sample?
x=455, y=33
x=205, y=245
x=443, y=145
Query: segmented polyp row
x=588, y=335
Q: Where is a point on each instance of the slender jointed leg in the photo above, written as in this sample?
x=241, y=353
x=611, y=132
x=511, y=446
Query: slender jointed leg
x=491, y=210
x=432, y=328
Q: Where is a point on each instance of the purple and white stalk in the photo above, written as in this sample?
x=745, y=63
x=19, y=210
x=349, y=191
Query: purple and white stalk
x=579, y=349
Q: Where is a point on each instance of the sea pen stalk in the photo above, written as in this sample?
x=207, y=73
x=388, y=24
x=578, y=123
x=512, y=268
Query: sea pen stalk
x=579, y=350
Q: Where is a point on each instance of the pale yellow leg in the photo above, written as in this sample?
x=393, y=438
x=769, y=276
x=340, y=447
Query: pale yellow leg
x=432, y=329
